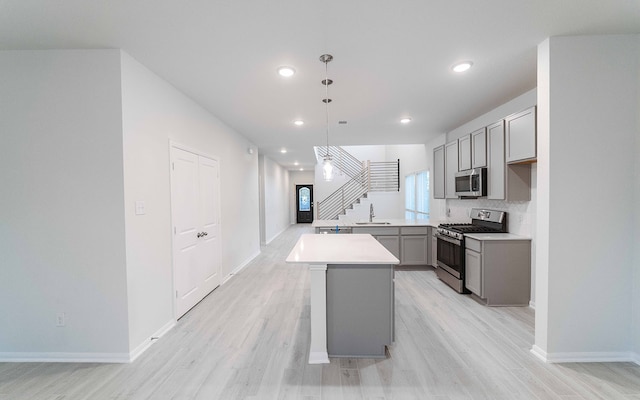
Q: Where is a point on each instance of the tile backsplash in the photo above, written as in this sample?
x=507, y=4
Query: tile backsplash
x=521, y=218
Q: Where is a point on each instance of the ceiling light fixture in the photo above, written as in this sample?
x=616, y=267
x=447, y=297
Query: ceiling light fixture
x=286, y=72
x=405, y=120
x=327, y=166
x=283, y=150
x=298, y=122
x=462, y=66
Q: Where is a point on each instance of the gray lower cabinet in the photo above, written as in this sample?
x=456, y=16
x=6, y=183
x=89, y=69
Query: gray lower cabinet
x=414, y=245
x=387, y=236
x=391, y=243
x=473, y=271
x=360, y=310
x=410, y=244
x=499, y=271
x=434, y=249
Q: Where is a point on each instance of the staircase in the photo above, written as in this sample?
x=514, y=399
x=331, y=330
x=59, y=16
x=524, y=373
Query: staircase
x=364, y=177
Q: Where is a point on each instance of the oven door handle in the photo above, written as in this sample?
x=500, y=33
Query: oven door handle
x=448, y=239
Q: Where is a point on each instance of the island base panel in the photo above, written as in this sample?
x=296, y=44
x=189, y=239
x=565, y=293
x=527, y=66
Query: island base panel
x=360, y=311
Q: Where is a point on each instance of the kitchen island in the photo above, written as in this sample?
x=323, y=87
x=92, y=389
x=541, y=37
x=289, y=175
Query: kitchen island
x=352, y=295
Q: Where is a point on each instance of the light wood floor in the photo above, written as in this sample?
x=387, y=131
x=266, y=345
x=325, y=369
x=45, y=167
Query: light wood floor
x=249, y=340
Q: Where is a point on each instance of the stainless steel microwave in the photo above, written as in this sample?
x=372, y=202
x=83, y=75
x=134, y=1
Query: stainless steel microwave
x=471, y=183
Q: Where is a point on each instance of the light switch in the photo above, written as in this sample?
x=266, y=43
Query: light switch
x=140, y=208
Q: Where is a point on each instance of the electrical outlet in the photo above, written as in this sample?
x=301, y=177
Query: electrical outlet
x=140, y=208
x=61, y=319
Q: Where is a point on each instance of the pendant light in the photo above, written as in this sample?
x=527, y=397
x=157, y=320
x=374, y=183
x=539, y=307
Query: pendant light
x=327, y=165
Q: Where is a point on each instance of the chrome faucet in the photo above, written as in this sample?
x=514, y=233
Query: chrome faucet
x=371, y=214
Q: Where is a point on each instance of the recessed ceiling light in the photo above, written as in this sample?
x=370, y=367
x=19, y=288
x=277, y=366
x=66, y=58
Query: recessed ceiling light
x=286, y=71
x=296, y=163
x=283, y=150
x=301, y=169
x=298, y=122
x=405, y=120
x=462, y=66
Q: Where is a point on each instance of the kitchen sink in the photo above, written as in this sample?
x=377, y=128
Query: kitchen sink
x=373, y=223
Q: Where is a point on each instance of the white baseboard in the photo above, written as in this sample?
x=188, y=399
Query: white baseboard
x=104, y=358
x=532, y=304
x=596, y=356
x=318, y=357
x=277, y=234
x=241, y=266
x=142, y=347
x=538, y=352
x=62, y=357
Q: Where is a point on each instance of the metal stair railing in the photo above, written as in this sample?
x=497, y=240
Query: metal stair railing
x=384, y=176
x=347, y=195
x=342, y=160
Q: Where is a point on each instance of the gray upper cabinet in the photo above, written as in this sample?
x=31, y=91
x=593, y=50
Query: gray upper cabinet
x=496, y=162
x=479, y=148
x=451, y=167
x=464, y=153
x=521, y=136
x=505, y=182
x=438, y=172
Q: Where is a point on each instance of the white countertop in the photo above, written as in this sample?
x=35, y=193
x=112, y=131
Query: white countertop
x=496, y=236
x=331, y=223
x=340, y=249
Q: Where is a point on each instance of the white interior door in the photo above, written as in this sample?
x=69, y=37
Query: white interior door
x=210, y=248
x=195, y=204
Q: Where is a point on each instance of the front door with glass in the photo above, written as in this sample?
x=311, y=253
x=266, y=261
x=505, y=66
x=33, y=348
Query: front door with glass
x=304, y=204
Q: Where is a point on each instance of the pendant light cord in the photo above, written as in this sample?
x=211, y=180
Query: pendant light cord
x=326, y=99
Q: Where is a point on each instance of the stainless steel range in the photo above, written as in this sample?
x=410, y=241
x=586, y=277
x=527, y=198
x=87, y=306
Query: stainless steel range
x=451, y=243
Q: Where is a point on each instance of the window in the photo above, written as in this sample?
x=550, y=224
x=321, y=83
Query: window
x=416, y=196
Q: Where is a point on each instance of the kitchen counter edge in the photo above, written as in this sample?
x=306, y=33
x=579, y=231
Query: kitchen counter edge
x=392, y=223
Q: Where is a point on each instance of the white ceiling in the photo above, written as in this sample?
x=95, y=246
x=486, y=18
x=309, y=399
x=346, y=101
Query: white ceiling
x=392, y=58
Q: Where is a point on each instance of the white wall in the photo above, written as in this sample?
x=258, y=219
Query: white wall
x=276, y=198
x=515, y=105
x=154, y=113
x=298, y=178
x=62, y=222
x=588, y=90
x=87, y=135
